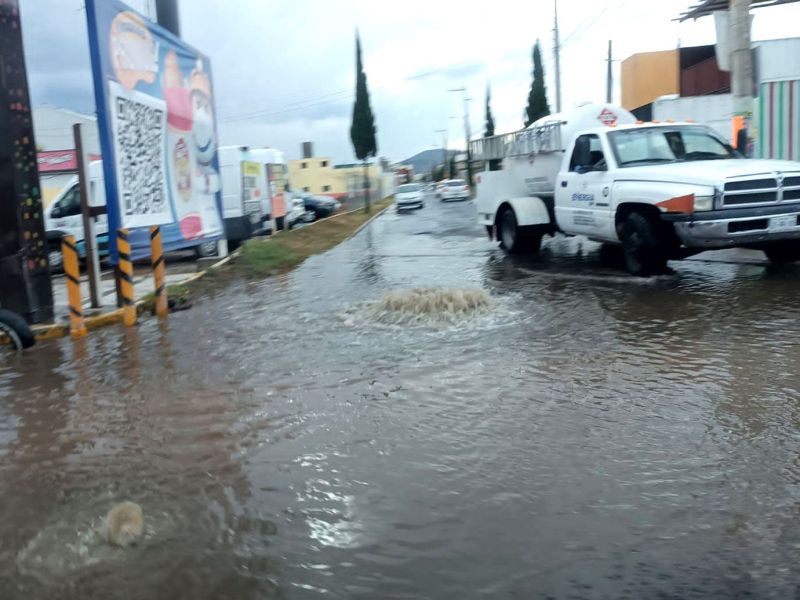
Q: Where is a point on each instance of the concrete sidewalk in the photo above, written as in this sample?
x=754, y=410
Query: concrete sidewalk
x=142, y=282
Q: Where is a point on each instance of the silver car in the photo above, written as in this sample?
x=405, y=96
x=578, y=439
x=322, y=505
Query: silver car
x=410, y=195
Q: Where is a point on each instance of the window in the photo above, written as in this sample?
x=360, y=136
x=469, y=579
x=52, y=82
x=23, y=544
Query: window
x=323, y=163
x=667, y=144
x=303, y=165
x=70, y=204
x=306, y=189
x=588, y=153
x=326, y=188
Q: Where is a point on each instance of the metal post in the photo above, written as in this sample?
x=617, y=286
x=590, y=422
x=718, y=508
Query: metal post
x=609, y=75
x=77, y=326
x=557, y=55
x=167, y=16
x=157, y=260
x=741, y=61
x=444, y=151
x=89, y=241
x=125, y=272
x=25, y=285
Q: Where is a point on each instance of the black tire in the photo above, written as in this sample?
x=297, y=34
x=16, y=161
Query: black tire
x=17, y=329
x=783, y=252
x=205, y=250
x=642, y=247
x=515, y=239
x=55, y=257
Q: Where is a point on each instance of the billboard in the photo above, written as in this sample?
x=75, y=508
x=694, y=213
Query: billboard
x=155, y=108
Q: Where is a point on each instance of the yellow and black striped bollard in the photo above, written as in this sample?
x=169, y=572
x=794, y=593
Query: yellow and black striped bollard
x=125, y=269
x=77, y=326
x=157, y=258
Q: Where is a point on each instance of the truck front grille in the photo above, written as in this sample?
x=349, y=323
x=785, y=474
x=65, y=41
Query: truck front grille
x=750, y=198
x=750, y=184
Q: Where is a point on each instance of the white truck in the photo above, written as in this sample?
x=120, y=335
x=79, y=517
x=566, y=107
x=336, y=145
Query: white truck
x=662, y=191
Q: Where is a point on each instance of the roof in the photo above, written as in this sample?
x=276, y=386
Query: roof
x=704, y=8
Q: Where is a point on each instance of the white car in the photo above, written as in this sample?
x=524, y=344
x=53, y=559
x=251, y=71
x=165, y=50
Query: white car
x=297, y=213
x=453, y=189
x=410, y=195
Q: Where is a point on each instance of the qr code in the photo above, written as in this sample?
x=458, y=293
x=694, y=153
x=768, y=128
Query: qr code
x=139, y=130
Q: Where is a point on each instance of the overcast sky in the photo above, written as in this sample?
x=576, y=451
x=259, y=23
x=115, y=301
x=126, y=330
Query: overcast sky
x=284, y=69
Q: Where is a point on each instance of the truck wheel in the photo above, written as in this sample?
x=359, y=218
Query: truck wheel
x=783, y=252
x=206, y=250
x=16, y=329
x=641, y=245
x=55, y=257
x=515, y=239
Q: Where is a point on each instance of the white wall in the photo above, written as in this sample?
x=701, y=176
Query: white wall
x=52, y=128
x=778, y=59
x=715, y=110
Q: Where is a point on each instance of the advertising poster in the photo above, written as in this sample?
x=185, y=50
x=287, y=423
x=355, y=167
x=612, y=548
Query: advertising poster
x=277, y=184
x=155, y=106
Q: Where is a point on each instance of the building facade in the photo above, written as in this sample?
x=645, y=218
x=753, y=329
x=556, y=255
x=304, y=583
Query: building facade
x=317, y=175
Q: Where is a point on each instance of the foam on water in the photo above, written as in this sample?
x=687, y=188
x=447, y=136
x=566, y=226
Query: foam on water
x=422, y=306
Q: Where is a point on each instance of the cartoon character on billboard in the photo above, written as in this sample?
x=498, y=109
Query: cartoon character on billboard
x=191, y=145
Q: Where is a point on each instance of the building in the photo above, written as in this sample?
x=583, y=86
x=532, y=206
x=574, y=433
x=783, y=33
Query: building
x=687, y=83
x=647, y=76
x=318, y=175
x=55, y=143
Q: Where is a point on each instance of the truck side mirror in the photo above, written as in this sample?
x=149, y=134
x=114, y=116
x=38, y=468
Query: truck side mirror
x=56, y=213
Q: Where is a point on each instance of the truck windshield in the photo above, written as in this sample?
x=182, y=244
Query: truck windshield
x=649, y=145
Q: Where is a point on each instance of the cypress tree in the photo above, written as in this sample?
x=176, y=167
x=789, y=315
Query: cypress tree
x=362, y=130
x=537, y=97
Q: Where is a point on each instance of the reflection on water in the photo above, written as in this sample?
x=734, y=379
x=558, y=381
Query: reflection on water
x=598, y=436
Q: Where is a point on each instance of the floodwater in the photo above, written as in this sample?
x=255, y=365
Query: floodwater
x=591, y=435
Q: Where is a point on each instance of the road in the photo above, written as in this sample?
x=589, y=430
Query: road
x=592, y=436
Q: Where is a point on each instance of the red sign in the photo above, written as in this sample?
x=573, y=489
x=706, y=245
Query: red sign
x=57, y=161
x=607, y=118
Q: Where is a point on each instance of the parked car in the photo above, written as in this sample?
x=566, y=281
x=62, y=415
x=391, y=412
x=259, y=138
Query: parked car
x=454, y=189
x=297, y=213
x=410, y=195
x=321, y=206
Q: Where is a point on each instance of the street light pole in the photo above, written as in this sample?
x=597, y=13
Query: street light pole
x=467, y=131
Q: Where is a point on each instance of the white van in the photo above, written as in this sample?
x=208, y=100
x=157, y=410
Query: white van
x=63, y=215
x=245, y=194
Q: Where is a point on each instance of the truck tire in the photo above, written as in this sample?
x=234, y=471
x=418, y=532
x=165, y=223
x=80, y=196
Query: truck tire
x=55, y=256
x=515, y=239
x=643, y=249
x=17, y=329
x=783, y=252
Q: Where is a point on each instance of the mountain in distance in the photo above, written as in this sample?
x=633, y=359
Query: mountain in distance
x=424, y=161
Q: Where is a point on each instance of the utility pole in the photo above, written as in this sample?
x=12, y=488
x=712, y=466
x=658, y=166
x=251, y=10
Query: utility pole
x=608, y=75
x=167, y=16
x=444, y=151
x=557, y=55
x=467, y=131
x=741, y=65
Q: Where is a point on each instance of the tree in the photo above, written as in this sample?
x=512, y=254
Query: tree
x=537, y=97
x=362, y=130
x=452, y=166
x=489, y=118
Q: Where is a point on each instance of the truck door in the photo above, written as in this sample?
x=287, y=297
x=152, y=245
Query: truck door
x=583, y=191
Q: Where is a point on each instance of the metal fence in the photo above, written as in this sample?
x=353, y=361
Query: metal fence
x=533, y=140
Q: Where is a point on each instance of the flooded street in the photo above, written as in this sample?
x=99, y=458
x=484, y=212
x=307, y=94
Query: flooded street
x=592, y=435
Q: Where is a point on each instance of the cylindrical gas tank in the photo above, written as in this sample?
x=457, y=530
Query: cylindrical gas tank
x=586, y=116
x=539, y=159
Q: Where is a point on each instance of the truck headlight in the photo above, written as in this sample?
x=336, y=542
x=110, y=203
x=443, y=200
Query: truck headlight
x=703, y=203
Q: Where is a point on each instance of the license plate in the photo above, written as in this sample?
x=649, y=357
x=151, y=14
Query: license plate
x=783, y=223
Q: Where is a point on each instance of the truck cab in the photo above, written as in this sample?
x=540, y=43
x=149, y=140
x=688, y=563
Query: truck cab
x=662, y=191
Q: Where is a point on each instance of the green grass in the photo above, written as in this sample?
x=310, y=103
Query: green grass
x=282, y=252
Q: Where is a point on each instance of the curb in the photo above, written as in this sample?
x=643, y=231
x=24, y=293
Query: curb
x=59, y=330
